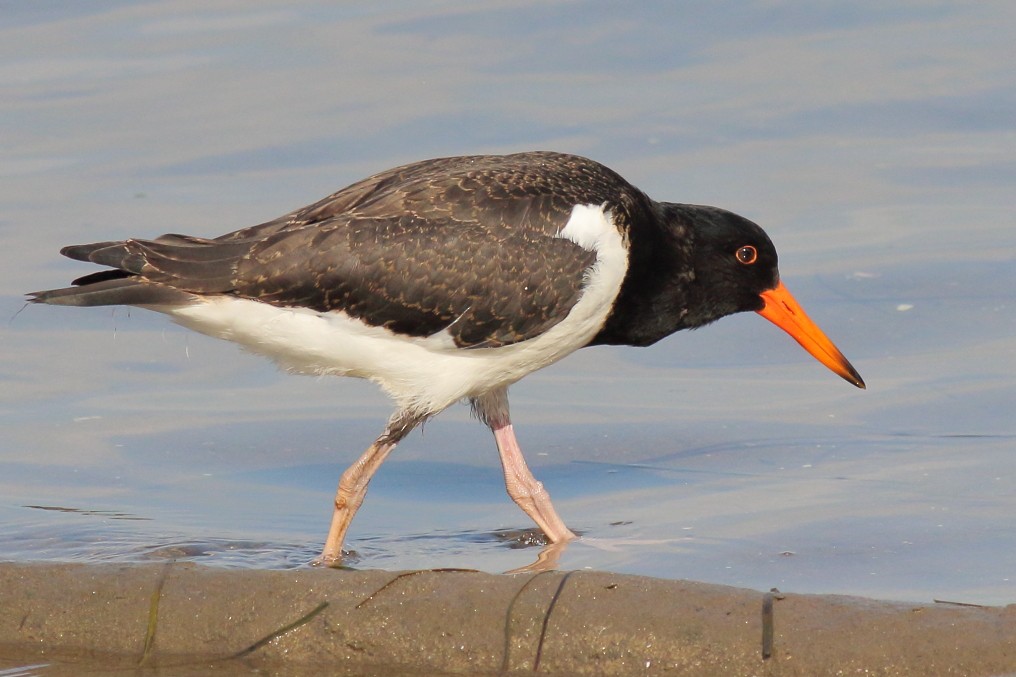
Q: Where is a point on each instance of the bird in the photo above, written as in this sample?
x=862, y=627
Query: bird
x=449, y=280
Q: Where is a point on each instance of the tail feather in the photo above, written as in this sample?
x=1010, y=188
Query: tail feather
x=119, y=255
x=170, y=269
x=128, y=291
x=195, y=250
x=100, y=276
x=83, y=252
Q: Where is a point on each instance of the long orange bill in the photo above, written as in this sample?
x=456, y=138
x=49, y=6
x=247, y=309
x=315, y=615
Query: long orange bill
x=784, y=311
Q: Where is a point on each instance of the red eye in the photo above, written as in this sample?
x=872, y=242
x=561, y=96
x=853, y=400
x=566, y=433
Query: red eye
x=747, y=255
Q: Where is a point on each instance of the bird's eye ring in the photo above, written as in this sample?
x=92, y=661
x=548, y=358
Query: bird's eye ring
x=747, y=255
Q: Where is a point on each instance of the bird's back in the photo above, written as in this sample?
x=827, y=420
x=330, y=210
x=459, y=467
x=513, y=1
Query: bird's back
x=453, y=253
x=469, y=244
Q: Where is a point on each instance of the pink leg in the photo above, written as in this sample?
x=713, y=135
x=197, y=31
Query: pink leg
x=353, y=484
x=527, y=492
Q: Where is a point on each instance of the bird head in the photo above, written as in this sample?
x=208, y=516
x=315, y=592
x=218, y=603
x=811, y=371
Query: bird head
x=736, y=270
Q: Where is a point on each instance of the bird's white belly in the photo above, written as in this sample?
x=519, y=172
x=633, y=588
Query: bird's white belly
x=426, y=374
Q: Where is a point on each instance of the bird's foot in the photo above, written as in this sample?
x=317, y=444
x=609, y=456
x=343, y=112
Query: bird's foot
x=547, y=560
x=330, y=561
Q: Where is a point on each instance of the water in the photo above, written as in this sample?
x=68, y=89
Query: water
x=875, y=144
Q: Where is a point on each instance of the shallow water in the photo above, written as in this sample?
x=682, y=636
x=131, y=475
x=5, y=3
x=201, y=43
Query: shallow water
x=875, y=145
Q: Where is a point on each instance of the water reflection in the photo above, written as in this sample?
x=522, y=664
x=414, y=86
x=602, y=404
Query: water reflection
x=874, y=144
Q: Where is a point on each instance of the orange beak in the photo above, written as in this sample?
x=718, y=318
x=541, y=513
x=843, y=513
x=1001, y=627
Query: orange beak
x=783, y=310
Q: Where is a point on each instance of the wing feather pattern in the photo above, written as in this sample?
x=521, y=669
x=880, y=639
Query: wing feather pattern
x=466, y=245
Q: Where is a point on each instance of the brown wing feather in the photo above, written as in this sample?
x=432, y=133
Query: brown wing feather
x=419, y=277
x=469, y=244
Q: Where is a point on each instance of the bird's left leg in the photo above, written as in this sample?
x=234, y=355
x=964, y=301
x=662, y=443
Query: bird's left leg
x=527, y=492
x=353, y=484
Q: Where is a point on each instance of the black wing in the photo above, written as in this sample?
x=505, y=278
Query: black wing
x=417, y=277
x=465, y=244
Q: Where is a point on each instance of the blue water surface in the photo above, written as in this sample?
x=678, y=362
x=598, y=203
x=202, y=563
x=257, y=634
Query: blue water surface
x=874, y=143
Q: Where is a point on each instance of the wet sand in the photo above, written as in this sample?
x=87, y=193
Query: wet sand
x=183, y=618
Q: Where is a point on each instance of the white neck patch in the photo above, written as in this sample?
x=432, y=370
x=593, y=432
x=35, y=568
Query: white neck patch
x=590, y=227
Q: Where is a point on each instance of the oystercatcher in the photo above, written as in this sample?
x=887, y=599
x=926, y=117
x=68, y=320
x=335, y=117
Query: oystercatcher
x=451, y=279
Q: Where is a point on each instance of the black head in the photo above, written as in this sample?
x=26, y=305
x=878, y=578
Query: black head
x=699, y=264
x=734, y=262
x=736, y=270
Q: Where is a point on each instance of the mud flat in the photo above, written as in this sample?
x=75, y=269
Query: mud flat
x=183, y=616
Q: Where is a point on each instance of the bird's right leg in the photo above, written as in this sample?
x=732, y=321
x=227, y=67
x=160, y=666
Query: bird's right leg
x=353, y=484
x=527, y=492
